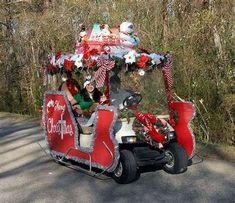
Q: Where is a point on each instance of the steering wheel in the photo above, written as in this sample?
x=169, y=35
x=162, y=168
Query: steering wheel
x=132, y=100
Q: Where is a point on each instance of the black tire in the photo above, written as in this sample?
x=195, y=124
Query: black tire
x=178, y=160
x=126, y=171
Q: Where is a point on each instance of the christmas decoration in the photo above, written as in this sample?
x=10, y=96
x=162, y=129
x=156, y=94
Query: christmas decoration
x=61, y=132
x=100, y=74
x=141, y=72
x=102, y=43
x=101, y=51
x=142, y=62
x=78, y=62
x=149, y=121
x=127, y=35
x=68, y=65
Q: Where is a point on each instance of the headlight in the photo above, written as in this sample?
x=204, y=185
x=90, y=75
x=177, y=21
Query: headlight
x=129, y=139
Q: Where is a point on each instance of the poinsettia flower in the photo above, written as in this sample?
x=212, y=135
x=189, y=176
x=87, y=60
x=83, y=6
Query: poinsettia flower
x=130, y=57
x=68, y=65
x=50, y=68
x=94, y=52
x=86, y=55
x=60, y=61
x=78, y=63
x=142, y=61
x=52, y=60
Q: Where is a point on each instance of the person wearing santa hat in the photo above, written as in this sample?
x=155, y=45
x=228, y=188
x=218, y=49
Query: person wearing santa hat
x=89, y=97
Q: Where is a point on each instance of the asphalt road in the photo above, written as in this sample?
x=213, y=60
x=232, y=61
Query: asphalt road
x=28, y=175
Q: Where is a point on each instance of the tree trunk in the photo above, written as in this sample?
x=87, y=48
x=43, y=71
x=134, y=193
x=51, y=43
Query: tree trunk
x=217, y=39
x=165, y=23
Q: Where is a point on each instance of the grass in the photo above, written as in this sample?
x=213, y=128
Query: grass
x=216, y=151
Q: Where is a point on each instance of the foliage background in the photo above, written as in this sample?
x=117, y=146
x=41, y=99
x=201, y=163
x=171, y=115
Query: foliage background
x=199, y=33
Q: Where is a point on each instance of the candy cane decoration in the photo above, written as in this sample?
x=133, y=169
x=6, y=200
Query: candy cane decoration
x=104, y=66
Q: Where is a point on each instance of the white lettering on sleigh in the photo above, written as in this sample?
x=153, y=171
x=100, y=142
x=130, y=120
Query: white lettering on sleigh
x=59, y=107
x=60, y=127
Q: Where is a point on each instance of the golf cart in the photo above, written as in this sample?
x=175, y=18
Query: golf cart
x=110, y=142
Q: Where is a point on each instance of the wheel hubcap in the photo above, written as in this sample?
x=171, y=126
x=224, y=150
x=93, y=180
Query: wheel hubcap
x=170, y=163
x=119, y=170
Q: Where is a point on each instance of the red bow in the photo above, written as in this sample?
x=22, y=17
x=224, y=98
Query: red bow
x=149, y=120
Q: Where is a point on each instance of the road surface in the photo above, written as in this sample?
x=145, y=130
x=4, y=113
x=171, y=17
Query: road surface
x=28, y=175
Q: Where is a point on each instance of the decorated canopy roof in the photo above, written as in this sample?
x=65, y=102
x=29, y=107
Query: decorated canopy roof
x=101, y=49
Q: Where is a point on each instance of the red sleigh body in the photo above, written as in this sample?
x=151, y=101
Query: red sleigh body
x=63, y=136
x=182, y=113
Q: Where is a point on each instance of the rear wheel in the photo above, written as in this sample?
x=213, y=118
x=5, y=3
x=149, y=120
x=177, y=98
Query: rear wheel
x=178, y=160
x=126, y=170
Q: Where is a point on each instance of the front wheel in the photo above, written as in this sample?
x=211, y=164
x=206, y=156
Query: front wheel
x=177, y=159
x=126, y=171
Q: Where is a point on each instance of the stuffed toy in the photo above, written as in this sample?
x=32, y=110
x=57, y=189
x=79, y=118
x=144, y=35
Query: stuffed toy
x=105, y=31
x=127, y=36
x=82, y=34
